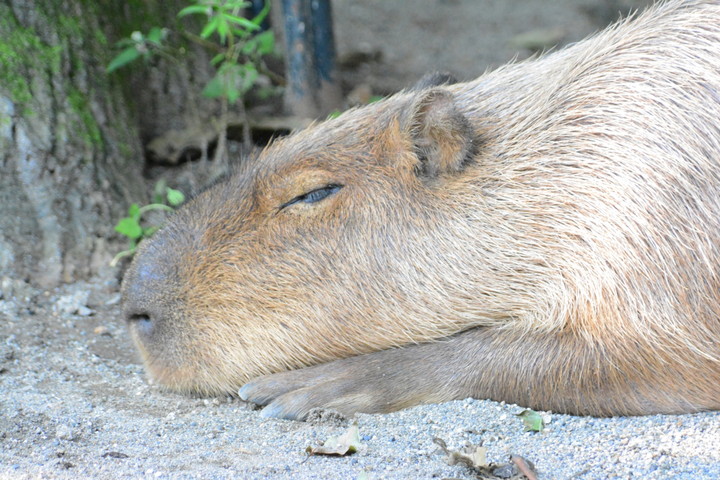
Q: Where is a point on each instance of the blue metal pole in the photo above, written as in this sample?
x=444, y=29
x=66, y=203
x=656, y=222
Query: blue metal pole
x=310, y=48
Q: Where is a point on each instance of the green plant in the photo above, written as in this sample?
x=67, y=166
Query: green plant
x=239, y=45
x=238, y=41
x=244, y=47
x=133, y=226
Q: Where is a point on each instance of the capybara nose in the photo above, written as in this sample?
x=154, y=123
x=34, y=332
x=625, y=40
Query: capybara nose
x=145, y=295
x=139, y=310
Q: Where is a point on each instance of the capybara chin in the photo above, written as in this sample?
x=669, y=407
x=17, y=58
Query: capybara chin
x=548, y=235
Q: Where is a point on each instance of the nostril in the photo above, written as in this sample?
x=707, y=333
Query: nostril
x=141, y=322
x=147, y=286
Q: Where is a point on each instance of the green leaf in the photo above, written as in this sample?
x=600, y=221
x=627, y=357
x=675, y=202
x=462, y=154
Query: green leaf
x=129, y=227
x=223, y=29
x=232, y=82
x=125, y=42
x=159, y=191
x=175, y=197
x=204, y=9
x=123, y=58
x=265, y=42
x=210, y=27
x=155, y=35
x=249, y=47
x=233, y=95
x=249, y=77
x=241, y=34
x=263, y=13
x=217, y=59
x=214, y=88
x=533, y=420
x=243, y=22
x=230, y=5
x=134, y=211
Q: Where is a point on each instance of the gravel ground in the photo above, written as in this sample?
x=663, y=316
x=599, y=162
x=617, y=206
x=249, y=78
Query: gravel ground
x=74, y=401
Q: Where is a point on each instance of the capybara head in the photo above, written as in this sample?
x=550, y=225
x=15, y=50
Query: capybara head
x=330, y=234
x=571, y=200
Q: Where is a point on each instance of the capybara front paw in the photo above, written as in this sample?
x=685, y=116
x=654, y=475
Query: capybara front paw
x=265, y=389
x=297, y=404
x=284, y=395
x=373, y=383
x=291, y=395
x=378, y=382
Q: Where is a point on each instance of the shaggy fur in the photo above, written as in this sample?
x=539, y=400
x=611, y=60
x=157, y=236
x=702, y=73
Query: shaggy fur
x=547, y=234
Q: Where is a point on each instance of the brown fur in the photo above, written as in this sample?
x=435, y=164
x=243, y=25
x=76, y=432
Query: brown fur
x=547, y=234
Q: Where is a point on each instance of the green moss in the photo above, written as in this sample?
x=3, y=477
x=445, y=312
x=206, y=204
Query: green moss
x=125, y=150
x=69, y=27
x=101, y=39
x=22, y=54
x=79, y=37
x=90, y=131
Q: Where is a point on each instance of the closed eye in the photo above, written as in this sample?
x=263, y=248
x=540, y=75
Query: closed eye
x=314, y=196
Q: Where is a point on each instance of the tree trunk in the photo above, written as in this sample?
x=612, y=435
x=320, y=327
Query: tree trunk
x=70, y=152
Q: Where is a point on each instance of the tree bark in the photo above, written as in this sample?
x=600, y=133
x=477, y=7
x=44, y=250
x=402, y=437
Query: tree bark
x=71, y=158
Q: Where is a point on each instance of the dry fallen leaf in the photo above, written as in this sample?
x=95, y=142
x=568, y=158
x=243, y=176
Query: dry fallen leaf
x=474, y=457
x=345, y=444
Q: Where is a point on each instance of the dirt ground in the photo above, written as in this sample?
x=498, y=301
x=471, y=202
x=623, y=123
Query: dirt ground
x=405, y=40
x=74, y=401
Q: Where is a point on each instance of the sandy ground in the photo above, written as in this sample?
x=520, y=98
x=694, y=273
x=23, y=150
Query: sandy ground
x=74, y=401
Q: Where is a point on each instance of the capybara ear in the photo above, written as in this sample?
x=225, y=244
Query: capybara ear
x=435, y=79
x=441, y=135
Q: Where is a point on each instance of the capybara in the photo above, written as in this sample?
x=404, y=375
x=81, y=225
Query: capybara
x=547, y=235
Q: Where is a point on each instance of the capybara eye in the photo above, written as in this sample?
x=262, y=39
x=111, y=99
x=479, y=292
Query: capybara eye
x=314, y=196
